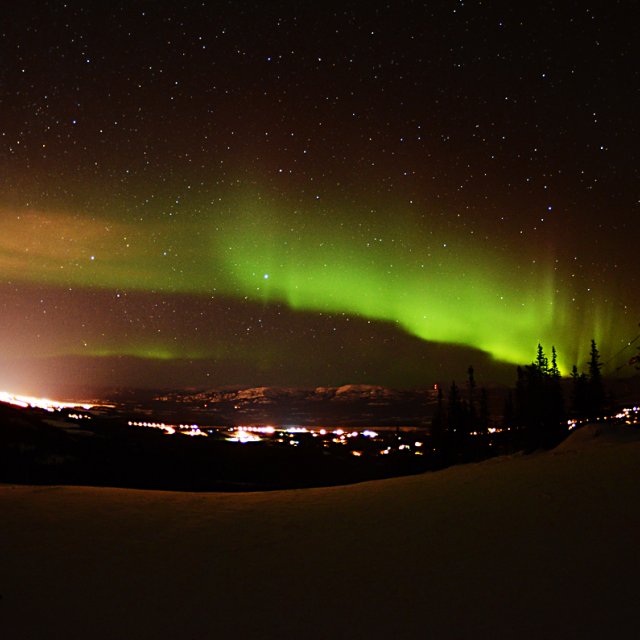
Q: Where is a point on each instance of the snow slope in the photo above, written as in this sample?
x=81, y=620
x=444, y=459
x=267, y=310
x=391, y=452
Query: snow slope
x=540, y=546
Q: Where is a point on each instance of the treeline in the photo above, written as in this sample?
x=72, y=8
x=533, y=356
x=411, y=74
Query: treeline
x=535, y=413
x=460, y=420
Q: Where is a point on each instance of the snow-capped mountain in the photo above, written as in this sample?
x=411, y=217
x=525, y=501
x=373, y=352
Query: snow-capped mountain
x=350, y=403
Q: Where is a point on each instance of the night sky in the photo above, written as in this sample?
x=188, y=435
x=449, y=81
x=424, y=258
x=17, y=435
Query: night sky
x=301, y=194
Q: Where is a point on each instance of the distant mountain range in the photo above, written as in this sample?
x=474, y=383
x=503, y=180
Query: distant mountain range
x=352, y=404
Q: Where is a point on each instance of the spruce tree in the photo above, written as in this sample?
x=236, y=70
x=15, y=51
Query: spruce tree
x=596, y=386
x=594, y=363
x=541, y=361
x=539, y=402
x=555, y=397
x=554, y=372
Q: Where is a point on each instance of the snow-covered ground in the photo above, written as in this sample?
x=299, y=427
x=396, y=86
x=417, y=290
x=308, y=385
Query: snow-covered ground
x=540, y=546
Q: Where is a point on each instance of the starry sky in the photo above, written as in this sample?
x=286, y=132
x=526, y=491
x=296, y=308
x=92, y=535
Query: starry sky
x=301, y=194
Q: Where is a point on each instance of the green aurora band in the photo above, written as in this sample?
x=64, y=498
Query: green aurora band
x=457, y=292
x=434, y=286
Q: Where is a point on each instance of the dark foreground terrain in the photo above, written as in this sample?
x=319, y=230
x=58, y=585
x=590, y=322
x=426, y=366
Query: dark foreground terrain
x=536, y=546
x=108, y=452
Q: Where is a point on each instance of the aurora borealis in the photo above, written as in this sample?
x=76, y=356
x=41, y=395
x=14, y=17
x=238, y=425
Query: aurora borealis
x=238, y=194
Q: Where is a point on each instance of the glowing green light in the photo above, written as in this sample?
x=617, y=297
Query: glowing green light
x=432, y=284
x=454, y=292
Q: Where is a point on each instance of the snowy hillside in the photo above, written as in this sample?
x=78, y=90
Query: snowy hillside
x=540, y=546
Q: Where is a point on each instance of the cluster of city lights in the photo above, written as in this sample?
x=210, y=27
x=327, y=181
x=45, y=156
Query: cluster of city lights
x=286, y=435
x=338, y=436
x=631, y=415
x=170, y=429
x=46, y=404
x=244, y=434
